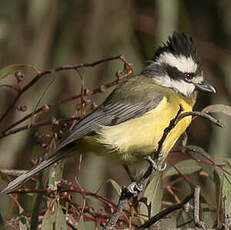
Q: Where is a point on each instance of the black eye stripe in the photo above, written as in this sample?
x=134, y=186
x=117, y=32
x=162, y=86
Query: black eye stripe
x=189, y=75
x=174, y=73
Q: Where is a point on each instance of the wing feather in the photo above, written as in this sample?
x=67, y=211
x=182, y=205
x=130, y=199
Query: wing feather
x=116, y=109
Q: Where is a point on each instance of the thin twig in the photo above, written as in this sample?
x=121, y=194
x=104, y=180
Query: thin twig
x=125, y=196
x=227, y=220
x=165, y=212
x=29, y=126
x=10, y=87
x=183, y=176
x=201, y=114
x=139, y=186
x=13, y=172
x=87, y=92
x=52, y=71
x=196, y=204
x=72, y=189
x=167, y=130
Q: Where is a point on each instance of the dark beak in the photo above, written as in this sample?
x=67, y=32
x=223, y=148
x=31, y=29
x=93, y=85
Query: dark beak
x=205, y=86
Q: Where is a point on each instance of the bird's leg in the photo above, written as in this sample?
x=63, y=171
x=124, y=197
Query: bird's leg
x=131, y=177
x=160, y=157
x=135, y=188
x=156, y=165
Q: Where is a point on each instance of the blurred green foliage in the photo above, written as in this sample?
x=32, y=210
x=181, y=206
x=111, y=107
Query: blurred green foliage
x=51, y=33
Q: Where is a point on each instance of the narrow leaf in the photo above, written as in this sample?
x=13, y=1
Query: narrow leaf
x=183, y=218
x=185, y=167
x=54, y=218
x=153, y=193
x=2, y=225
x=227, y=188
x=5, y=71
x=23, y=223
x=115, y=185
x=219, y=181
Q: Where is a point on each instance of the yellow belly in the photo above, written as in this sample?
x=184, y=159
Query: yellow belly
x=141, y=135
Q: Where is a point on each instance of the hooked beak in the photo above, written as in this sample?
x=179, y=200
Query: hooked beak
x=205, y=86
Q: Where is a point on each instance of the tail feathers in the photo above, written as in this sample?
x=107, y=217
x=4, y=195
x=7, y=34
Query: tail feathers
x=24, y=177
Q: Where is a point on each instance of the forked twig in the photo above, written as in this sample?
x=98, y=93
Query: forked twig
x=127, y=71
x=165, y=212
x=140, y=185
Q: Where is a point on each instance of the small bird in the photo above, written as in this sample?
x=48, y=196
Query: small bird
x=128, y=125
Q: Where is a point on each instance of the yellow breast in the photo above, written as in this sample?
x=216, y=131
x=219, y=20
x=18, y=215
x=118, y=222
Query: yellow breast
x=141, y=135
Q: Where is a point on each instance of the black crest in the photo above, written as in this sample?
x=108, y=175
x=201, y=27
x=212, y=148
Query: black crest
x=179, y=44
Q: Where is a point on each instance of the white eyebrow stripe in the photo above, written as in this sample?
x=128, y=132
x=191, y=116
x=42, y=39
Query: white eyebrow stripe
x=182, y=63
x=181, y=86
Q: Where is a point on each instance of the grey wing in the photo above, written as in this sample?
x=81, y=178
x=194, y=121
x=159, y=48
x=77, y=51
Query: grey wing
x=108, y=114
x=117, y=108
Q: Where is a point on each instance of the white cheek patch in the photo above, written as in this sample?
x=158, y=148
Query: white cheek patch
x=182, y=63
x=181, y=86
x=198, y=79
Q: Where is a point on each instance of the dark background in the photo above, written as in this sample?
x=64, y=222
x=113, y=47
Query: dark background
x=51, y=33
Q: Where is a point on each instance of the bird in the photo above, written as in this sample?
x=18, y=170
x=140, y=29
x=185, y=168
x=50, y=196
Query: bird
x=128, y=125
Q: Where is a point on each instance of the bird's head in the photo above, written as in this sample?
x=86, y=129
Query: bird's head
x=176, y=65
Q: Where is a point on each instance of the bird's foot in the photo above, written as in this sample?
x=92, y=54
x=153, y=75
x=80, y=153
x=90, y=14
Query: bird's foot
x=130, y=175
x=157, y=166
x=135, y=188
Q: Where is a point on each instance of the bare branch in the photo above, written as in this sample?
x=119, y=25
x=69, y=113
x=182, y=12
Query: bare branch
x=39, y=75
x=165, y=212
x=86, y=92
x=196, y=208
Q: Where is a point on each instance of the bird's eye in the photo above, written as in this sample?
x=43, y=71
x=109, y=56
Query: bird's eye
x=188, y=76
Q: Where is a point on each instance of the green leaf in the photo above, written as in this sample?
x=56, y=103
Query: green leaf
x=5, y=71
x=55, y=174
x=201, y=155
x=218, y=108
x=183, y=218
x=209, y=169
x=54, y=218
x=198, y=153
x=23, y=222
x=206, y=215
x=2, y=225
x=185, y=167
x=153, y=193
x=81, y=224
x=227, y=188
x=4, y=177
x=115, y=185
x=219, y=181
x=168, y=222
x=37, y=199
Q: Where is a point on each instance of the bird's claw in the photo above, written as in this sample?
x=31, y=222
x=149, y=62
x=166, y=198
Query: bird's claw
x=162, y=168
x=160, y=157
x=156, y=165
x=134, y=188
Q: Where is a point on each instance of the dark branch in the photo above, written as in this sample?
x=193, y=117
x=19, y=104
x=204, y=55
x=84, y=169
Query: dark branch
x=165, y=212
x=127, y=71
x=39, y=75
